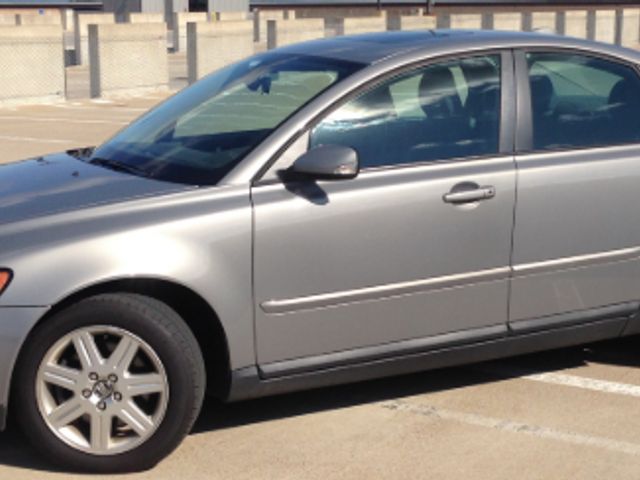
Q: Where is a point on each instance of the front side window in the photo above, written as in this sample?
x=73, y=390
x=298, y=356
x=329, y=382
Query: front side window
x=579, y=101
x=442, y=111
x=199, y=135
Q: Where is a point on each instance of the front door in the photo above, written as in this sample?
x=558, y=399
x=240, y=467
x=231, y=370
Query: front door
x=413, y=253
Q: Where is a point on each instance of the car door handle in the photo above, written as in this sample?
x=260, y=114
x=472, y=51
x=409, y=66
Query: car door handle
x=458, y=194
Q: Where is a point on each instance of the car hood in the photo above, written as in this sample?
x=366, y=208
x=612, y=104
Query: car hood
x=62, y=182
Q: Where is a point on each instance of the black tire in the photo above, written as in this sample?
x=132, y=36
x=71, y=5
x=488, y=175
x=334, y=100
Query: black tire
x=175, y=346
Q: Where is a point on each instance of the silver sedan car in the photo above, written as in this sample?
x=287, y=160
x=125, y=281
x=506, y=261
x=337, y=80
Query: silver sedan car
x=327, y=212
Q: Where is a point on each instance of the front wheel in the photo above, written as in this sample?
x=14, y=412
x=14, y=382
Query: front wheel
x=110, y=384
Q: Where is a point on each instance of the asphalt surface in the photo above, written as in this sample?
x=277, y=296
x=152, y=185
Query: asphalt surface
x=568, y=414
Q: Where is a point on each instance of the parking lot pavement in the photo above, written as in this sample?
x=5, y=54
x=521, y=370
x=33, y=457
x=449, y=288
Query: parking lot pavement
x=572, y=413
x=30, y=131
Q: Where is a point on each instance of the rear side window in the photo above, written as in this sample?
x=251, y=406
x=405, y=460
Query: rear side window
x=579, y=101
x=442, y=111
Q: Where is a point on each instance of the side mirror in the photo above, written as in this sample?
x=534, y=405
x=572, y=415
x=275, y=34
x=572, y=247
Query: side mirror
x=327, y=162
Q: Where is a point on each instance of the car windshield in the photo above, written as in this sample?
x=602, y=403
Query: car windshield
x=203, y=132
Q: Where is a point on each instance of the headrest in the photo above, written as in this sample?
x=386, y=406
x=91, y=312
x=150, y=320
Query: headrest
x=438, y=93
x=623, y=93
x=376, y=104
x=541, y=93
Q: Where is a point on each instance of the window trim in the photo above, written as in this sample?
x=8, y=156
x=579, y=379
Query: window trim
x=507, y=128
x=524, y=134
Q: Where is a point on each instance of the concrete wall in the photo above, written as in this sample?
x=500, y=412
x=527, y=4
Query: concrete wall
x=417, y=22
x=630, y=36
x=466, y=21
x=32, y=20
x=286, y=32
x=36, y=60
x=230, y=16
x=146, y=18
x=180, y=21
x=213, y=45
x=576, y=23
x=544, y=21
x=507, y=21
x=605, y=28
x=352, y=26
x=7, y=19
x=81, y=32
x=128, y=59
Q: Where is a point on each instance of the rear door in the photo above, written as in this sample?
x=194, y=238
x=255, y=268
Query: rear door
x=412, y=254
x=577, y=230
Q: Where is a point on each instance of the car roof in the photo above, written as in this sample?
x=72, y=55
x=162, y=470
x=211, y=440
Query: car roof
x=370, y=48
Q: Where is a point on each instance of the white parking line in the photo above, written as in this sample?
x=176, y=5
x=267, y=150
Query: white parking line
x=35, y=139
x=514, y=427
x=62, y=120
x=563, y=379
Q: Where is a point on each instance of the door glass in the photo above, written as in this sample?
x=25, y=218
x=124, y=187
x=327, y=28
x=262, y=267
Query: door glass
x=443, y=111
x=579, y=101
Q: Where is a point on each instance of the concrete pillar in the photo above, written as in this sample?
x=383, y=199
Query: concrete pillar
x=146, y=18
x=487, y=21
x=507, y=21
x=272, y=34
x=36, y=57
x=287, y=32
x=576, y=23
x=630, y=35
x=605, y=28
x=544, y=21
x=591, y=24
x=256, y=25
x=261, y=26
x=168, y=13
x=393, y=22
x=443, y=20
x=561, y=23
x=417, y=22
x=527, y=21
x=468, y=21
x=180, y=21
x=126, y=59
x=81, y=32
x=213, y=45
x=68, y=22
x=354, y=26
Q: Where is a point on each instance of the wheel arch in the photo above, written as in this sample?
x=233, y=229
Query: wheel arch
x=198, y=314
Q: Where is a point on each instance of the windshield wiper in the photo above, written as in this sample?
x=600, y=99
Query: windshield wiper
x=119, y=166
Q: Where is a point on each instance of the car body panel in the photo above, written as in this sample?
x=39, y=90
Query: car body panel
x=577, y=234
x=15, y=325
x=200, y=239
x=390, y=232
x=60, y=182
